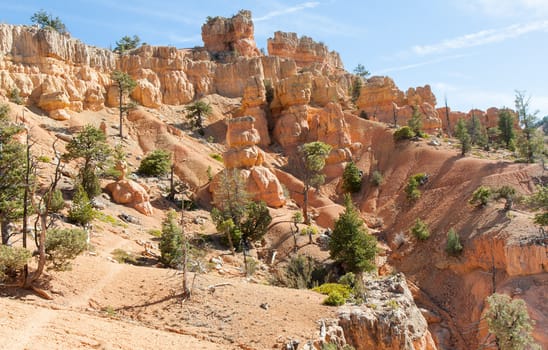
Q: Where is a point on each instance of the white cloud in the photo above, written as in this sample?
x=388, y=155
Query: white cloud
x=506, y=8
x=419, y=64
x=481, y=38
x=277, y=13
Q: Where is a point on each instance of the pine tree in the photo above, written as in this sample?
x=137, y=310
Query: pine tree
x=127, y=43
x=90, y=145
x=196, y=112
x=125, y=84
x=171, y=241
x=12, y=174
x=415, y=123
x=462, y=134
x=506, y=126
x=231, y=200
x=312, y=157
x=81, y=211
x=46, y=20
x=351, y=245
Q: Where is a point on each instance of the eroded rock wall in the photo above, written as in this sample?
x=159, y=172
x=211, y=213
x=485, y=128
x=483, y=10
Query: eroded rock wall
x=389, y=320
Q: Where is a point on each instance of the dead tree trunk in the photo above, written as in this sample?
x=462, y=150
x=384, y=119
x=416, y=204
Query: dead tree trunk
x=184, y=262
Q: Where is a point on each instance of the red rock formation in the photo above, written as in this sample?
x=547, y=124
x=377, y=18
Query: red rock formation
x=131, y=193
x=243, y=153
x=303, y=50
x=235, y=35
x=380, y=99
x=489, y=118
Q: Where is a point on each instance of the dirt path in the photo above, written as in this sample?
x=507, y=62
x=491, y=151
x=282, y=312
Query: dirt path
x=66, y=325
x=31, y=327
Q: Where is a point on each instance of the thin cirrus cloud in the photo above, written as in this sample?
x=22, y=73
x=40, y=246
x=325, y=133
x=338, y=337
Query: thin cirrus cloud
x=420, y=64
x=277, y=13
x=506, y=8
x=481, y=38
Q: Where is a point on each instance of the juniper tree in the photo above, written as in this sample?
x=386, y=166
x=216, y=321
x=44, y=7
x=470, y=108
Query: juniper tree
x=509, y=321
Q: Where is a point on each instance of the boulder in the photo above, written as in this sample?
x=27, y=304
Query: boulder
x=131, y=193
x=54, y=101
x=389, y=321
x=59, y=114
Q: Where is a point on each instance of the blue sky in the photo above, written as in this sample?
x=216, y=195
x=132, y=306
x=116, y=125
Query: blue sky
x=475, y=52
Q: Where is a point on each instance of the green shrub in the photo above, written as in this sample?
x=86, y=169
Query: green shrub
x=155, y=232
x=63, y=245
x=404, y=133
x=81, y=212
x=109, y=219
x=412, y=191
x=352, y=178
x=415, y=122
x=329, y=288
x=348, y=279
x=217, y=157
x=377, y=178
x=124, y=257
x=57, y=202
x=15, y=96
x=156, y=163
x=12, y=259
x=508, y=193
x=453, y=246
x=481, y=196
x=539, y=199
x=309, y=230
x=393, y=304
x=90, y=182
x=541, y=219
x=412, y=188
x=334, y=299
x=420, y=230
x=301, y=272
